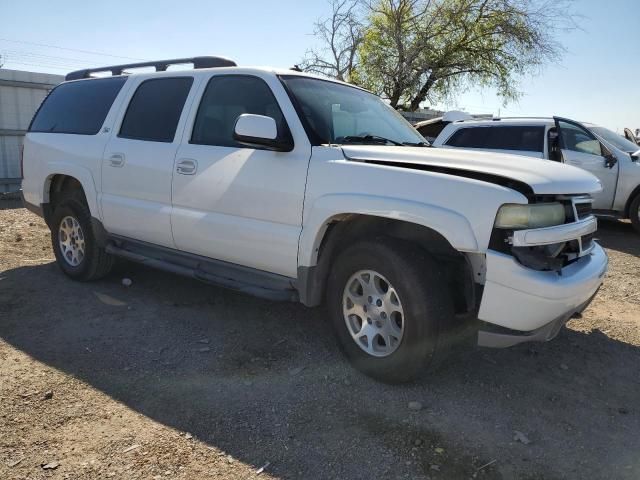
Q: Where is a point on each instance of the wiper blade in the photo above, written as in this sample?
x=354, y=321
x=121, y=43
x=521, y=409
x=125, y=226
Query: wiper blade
x=416, y=144
x=366, y=138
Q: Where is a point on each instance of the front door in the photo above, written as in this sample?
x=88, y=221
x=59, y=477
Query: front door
x=235, y=203
x=580, y=148
x=138, y=162
x=629, y=135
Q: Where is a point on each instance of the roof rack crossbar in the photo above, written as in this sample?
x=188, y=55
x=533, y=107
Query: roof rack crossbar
x=159, y=65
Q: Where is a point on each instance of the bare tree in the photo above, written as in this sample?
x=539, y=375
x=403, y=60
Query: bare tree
x=340, y=35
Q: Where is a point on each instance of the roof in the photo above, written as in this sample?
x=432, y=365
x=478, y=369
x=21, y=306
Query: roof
x=509, y=121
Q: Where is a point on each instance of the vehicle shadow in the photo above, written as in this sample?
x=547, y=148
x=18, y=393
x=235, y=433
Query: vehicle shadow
x=265, y=382
x=618, y=235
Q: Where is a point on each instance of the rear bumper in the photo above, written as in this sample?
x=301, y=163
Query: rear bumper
x=31, y=207
x=535, y=304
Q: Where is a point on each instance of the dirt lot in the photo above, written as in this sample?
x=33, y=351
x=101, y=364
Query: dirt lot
x=171, y=378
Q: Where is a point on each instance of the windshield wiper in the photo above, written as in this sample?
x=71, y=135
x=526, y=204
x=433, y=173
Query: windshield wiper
x=416, y=144
x=366, y=138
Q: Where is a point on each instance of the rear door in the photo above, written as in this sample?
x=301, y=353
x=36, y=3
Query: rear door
x=137, y=166
x=580, y=148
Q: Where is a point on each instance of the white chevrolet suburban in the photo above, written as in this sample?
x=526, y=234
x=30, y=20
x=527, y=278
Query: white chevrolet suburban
x=610, y=157
x=287, y=186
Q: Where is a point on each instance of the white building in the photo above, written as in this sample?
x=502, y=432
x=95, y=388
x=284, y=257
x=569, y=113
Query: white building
x=20, y=96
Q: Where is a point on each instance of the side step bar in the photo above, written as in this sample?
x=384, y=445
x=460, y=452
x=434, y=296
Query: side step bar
x=223, y=274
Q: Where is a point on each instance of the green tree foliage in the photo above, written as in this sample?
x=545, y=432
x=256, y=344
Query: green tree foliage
x=412, y=51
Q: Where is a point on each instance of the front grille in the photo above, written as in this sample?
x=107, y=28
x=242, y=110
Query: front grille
x=584, y=210
x=587, y=241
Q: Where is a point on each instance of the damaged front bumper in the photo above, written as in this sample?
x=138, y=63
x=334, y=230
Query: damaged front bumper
x=532, y=305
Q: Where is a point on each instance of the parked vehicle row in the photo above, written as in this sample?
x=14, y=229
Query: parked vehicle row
x=605, y=154
x=632, y=137
x=293, y=187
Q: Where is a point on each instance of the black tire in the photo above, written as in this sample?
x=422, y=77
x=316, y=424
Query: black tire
x=634, y=213
x=96, y=263
x=423, y=292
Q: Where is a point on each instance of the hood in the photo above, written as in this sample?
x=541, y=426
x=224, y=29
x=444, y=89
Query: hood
x=544, y=177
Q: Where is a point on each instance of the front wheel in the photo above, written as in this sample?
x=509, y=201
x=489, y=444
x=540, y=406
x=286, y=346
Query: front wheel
x=634, y=213
x=388, y=302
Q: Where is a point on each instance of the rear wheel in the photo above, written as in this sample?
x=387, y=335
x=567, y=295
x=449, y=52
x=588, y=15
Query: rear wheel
x=388, y=302
x=74, y=245
x=634, y=213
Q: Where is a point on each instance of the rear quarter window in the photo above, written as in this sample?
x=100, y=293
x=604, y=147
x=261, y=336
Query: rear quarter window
x=78, y=107
x=521, y=138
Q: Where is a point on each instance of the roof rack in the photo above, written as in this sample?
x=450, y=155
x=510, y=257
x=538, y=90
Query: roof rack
x=160, y=66
x=530, y=117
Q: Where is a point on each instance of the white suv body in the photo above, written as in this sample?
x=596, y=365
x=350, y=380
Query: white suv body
x=278, y=184
x=607, y=155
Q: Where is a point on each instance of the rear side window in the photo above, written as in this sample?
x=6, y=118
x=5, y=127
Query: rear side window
x=77, y=107
x=523, y=138
x=155, y=109
x=225, y=99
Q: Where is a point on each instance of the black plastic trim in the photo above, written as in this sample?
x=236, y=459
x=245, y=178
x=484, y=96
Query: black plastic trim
x=37, y=209
x=247, y=280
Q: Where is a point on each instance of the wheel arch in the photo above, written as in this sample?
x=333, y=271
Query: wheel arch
x=63, y=176
x=634, y=194
x=344, y=229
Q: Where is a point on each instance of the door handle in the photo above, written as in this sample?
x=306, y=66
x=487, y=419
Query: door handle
x=187, y=166
x=116, y=160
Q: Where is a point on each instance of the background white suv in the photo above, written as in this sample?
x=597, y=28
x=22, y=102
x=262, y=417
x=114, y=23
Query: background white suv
x=607, y=155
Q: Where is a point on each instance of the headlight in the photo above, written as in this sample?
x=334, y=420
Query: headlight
x=514, y=216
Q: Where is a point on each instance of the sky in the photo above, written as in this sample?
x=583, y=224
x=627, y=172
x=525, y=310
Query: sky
x=597, y=80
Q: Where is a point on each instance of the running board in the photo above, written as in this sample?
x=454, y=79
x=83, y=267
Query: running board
x=223, y=274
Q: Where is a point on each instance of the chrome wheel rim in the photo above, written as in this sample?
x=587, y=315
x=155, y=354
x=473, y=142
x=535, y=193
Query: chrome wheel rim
x=373, y=313
x=71, y=241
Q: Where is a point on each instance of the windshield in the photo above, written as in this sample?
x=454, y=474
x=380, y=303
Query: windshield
x=340, y=114
x=614, y=139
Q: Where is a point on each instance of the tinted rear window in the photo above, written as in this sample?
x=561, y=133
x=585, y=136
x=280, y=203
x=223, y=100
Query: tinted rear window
x=155, y=109
x=77, y=107
x=523, y=138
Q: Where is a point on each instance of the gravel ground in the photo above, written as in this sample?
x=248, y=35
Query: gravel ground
x=170, y=378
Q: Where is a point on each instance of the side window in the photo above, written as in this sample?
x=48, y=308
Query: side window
x=577, y=139
x=78, y=107
x=468, y=138
x=518, y=137
x=225, y=99
x=154, y=110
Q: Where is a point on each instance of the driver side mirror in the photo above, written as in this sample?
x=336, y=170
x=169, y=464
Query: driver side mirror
x=259, y=131
x=609, y=158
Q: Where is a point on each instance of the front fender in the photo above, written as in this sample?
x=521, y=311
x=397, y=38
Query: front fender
x=453, y=226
